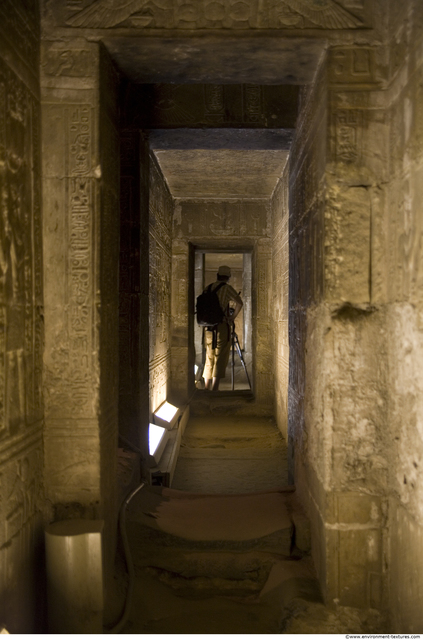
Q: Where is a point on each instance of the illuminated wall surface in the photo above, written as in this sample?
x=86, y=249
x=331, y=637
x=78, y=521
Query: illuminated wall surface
x=335, y=242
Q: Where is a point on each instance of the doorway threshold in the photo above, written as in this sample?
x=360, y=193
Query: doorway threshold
x=241, y=393
x=240, y=402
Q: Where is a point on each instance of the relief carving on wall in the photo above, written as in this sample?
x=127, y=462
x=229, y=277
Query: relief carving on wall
x=20, y=262
x=160, y=229
x=20, y=20
x=22, y=484
x=214, y=102
x=348, y=127
x=353, y=65
x=317, y=14
x=67, y=62
x=69, y=376
x=215, y=14
x=222, y=222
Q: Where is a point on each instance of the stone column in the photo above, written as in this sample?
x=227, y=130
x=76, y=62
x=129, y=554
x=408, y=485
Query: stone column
x=81, y=240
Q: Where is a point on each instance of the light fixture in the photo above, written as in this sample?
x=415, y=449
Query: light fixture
x=166, y=415
x=157, y=439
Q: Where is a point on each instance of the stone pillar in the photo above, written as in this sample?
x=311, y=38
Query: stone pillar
x=81, y=240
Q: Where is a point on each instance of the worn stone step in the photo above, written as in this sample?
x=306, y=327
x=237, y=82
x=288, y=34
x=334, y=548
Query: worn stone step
x=189, y=583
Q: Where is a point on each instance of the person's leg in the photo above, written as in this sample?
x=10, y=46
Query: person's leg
x=210, y=359
x=221, y=353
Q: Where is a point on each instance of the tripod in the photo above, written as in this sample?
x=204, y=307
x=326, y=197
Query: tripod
x=236, y=345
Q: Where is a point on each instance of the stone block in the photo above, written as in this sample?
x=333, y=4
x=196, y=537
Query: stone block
x=360, y=567
x=358, y=509
x=406, y=570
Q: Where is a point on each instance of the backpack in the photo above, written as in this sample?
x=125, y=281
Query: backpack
x=209, y=312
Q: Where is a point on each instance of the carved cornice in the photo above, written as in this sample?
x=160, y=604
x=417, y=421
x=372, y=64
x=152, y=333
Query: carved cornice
x=211, y=14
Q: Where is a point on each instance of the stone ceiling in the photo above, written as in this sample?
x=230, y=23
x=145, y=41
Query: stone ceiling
x=221, y=163
x=208, y=59
x=204, y=173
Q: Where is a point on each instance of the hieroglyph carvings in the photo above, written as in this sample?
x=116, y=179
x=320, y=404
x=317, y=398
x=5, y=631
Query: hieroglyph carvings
x=69, y=372
x=216, y=14
x=160, y=229
x=21, y=337
x=352, y=65
x=348, y=127
x=21, y=484
x=80, y=253
x=204, y=105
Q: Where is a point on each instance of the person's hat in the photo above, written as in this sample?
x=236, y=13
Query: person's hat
x=224, y=271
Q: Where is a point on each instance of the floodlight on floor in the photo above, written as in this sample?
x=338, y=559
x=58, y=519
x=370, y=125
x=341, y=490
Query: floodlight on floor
x=166, y=415
x=157, y=439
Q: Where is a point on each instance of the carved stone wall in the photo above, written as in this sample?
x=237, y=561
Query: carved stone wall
x=210, y=105
x=81, y=178
x=107, y=307
x=160, y=252
x=401, y=261
x=205, y=14
x=280, y=315
x=21, y=320
x=338, y=358
x=223, y=225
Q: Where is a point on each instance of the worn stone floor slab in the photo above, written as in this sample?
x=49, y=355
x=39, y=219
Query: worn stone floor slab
x=231, y=454
x=239, y=517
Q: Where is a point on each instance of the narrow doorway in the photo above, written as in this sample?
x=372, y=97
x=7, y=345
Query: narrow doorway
x=239, y=370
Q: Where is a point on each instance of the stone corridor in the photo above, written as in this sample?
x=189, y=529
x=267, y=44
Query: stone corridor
x=143, y=144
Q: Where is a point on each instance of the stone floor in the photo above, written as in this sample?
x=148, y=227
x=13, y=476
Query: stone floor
x=227, y=548
x=231, y=454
